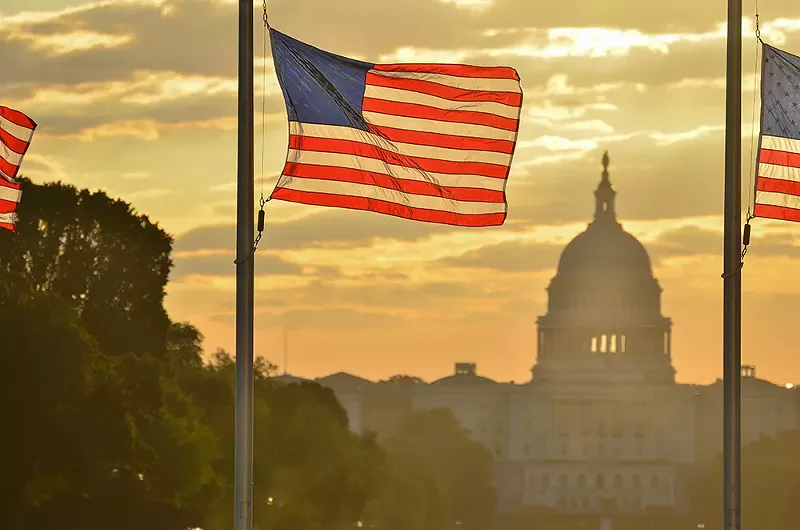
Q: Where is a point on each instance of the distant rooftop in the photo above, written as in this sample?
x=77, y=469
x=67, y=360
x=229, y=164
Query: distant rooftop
x=287, y=379
x=466, y=369
x=344, y=381
x=466, y=374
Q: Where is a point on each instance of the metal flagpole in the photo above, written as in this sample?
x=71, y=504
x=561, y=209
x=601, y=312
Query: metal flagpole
x=245, y=236
x=732, y=279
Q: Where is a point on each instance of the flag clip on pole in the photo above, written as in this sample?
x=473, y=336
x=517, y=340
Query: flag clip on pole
x=245, y=199
x=732, y=279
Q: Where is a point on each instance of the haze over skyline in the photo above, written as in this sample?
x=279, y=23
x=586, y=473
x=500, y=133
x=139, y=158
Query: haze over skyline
x=138, y=98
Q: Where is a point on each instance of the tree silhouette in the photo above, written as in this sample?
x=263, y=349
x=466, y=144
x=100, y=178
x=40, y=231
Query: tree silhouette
x=401, y=379
x=95, y=438
x=440, y=477
x=113, y=419
x=770, y=485
x=97, y=253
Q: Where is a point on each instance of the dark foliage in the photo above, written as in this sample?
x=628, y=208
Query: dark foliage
x=112, y=419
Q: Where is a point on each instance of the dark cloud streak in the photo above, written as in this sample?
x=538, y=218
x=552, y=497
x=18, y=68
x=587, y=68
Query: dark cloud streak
x=329, y=227
x=223, y=265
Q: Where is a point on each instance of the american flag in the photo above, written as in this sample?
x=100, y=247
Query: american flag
x=16, y=131
x=428, y=142
x=777, y=194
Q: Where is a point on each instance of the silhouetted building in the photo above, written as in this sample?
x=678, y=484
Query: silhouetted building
x=602, y=427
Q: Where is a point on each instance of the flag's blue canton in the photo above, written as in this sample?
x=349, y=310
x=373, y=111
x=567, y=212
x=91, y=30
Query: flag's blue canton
x=781, y=94
x=319, y=87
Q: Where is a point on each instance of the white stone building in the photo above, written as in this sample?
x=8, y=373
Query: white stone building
x=602, y=426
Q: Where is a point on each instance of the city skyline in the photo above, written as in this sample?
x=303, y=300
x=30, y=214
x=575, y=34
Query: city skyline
x=121, y=110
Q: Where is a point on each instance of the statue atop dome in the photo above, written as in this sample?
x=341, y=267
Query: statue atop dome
x=604, y=211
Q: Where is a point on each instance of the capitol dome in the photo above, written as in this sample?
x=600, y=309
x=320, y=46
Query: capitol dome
x=604, y=272
x=604, y=248
x=604, y=304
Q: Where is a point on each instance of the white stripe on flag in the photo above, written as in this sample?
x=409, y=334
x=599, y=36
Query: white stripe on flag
x=10, y=194
x=778, y=199
x=9, y=218
x=773, y=171
x=777, y=143
x=375, y=165
x=481, y=84
x=409, y=96
x=17, y=131
x=425, y=151
x=13, y=158
x=441, y=127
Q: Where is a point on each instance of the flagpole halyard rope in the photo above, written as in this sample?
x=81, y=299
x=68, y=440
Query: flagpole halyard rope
x=751, y=191
x=263, y=201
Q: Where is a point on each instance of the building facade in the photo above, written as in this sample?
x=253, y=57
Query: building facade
x=602, y=426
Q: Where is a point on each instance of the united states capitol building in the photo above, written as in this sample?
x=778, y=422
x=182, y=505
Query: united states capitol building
x=602, y=426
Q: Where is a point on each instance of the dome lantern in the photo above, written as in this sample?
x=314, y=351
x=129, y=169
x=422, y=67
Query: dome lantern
x=604, y=196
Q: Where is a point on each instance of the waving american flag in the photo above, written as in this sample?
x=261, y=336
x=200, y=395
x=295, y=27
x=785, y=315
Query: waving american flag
x=778, y=170
x=428, y=142
x=16, y=131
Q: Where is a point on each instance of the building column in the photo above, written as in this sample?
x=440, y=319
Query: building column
x=540, y=344
x=668, y=335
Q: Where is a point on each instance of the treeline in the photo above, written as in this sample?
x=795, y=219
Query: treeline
x=770, y=486
x=111, y=419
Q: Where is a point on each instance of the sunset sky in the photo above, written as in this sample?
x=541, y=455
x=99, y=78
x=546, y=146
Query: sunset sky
x=138, y=98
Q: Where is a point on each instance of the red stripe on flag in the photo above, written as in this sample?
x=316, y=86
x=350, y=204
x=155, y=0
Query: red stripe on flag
x=349, y=147
x=389, y=208
x=467, y=143
x=9, y=227
x=414, y=187
x=17, y=118
x=8, y=168
x=779, y=158
x=788, y=187
x=458, y=70
x=12, y=142
x=8, y=206
x=415, y=110
x=513, y=99
x=6, y=184
x=770, y=211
